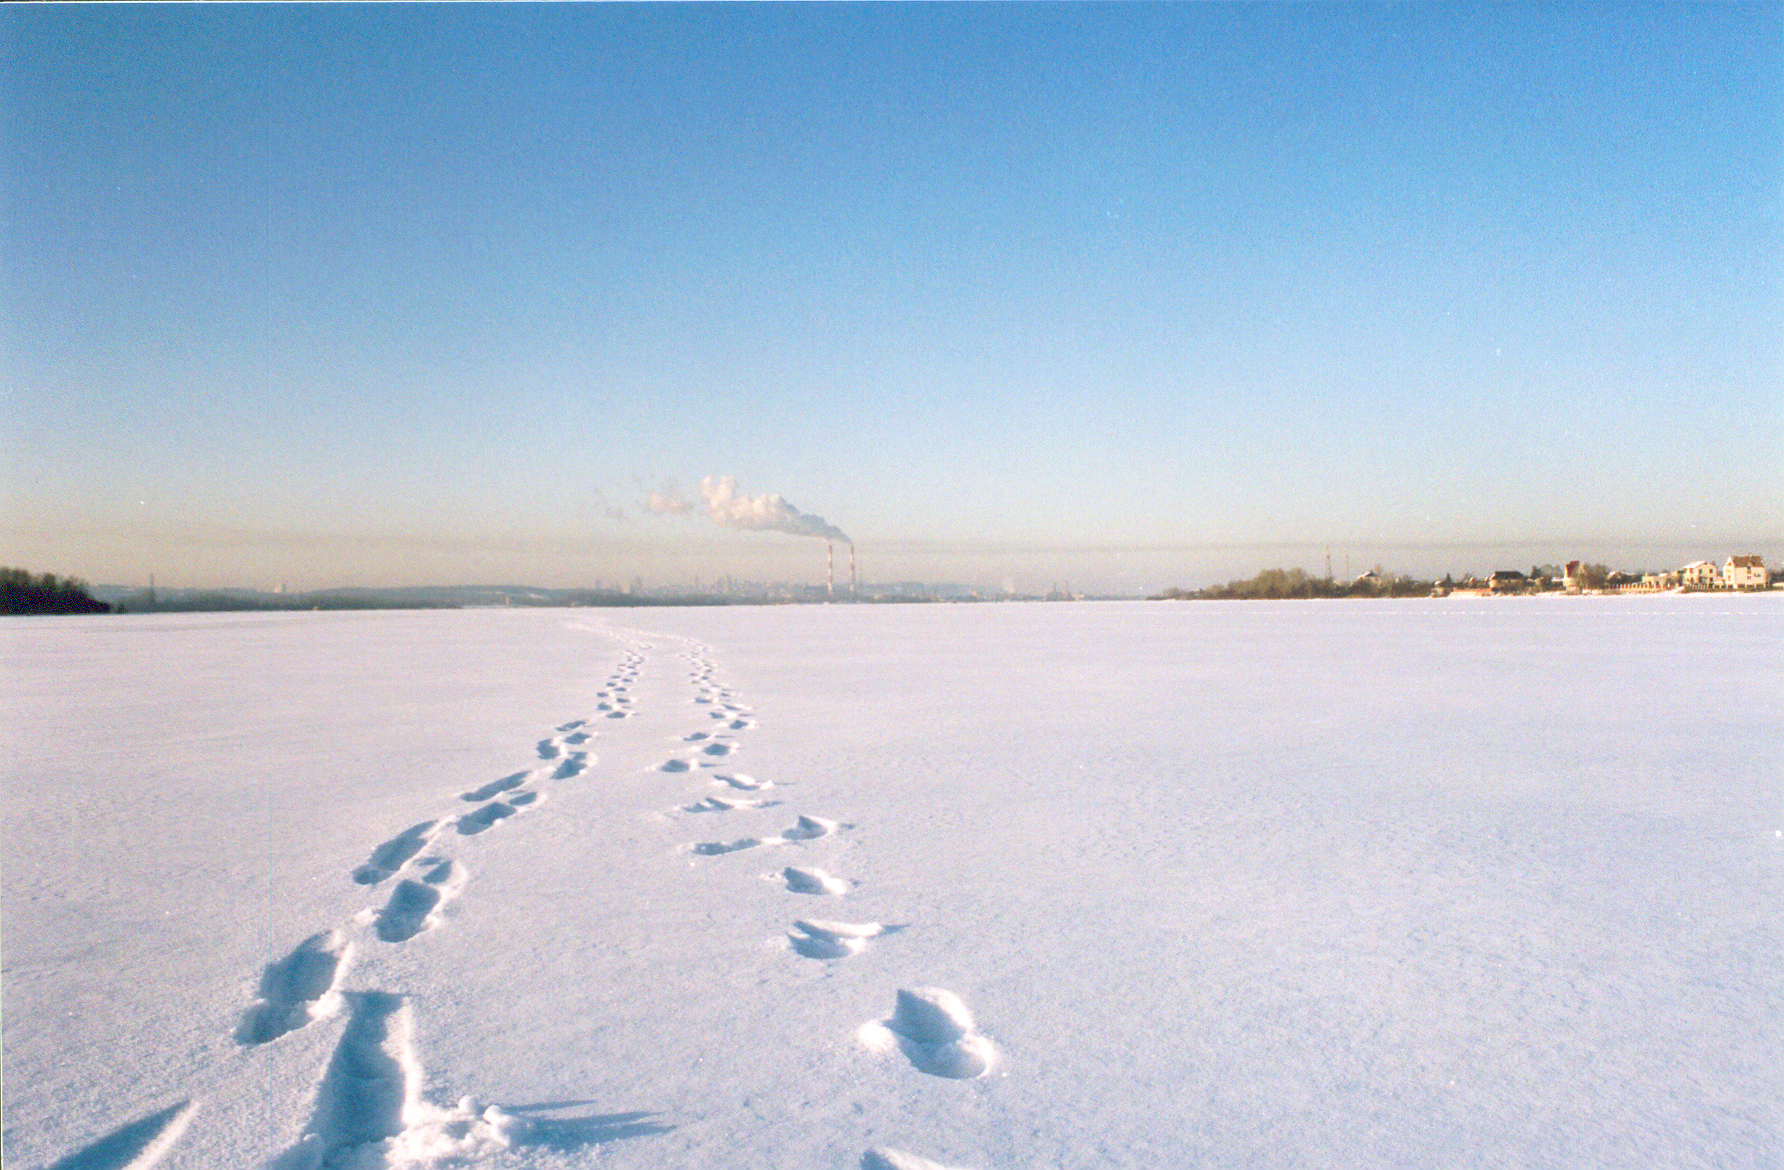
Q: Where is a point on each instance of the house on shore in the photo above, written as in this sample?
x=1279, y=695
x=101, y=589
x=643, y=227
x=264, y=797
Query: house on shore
x=1699, y=575
x=1745, y=573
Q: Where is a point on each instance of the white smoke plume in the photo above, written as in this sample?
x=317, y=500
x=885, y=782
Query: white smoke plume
x=767, y=513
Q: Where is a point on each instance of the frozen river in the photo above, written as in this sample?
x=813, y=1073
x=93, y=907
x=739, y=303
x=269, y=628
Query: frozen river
x=1468, y=882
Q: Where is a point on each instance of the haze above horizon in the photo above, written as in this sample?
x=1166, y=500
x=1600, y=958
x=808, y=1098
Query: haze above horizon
x=1125, y=295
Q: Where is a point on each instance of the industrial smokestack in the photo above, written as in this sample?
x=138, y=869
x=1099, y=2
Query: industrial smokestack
x=829, y=569
x=851, y=569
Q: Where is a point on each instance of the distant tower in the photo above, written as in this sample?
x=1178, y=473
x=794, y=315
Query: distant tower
x=851, y=568
x=829, y=569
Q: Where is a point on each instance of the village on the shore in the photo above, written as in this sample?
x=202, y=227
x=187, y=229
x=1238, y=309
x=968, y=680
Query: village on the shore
x=1739, y=573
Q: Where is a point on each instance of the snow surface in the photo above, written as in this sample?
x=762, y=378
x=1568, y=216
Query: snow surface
x=1467, y=882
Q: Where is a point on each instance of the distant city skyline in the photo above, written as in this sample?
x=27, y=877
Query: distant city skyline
x=1130, y=296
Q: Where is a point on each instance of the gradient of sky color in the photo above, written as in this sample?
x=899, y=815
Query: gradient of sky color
x=1129, y=295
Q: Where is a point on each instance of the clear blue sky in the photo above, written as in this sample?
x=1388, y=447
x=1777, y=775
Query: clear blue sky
x=1128, y=295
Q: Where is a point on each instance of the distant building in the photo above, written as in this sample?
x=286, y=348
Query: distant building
x=1745, y=573
x=1509, y=581
x=1700, y=575
x=1570, y=577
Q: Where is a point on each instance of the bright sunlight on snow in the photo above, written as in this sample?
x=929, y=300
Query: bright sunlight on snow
x=1312, y=884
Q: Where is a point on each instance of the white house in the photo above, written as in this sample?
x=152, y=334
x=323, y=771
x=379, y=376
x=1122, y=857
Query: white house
x=1744, y=573
x=1700, y=575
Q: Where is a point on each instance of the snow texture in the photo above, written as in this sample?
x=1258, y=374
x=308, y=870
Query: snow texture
x=1313, y=884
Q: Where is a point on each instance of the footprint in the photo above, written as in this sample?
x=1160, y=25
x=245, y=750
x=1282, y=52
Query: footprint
x=935, y=1032
x=297, y=989
x=369, y=1085
x=475, y=822
x=574, y=763
x=522, y=799
x=136, y=1146
x=810, y=829
x=813, y=881
x=579, y=738
x=391, y=856
x=714, y=848
x=495, y=788
x=720, y=804
x=886, y=1158
x=740, y=725
x=572, y=725
x=831, y=940
x=743, y=783
x=548, y=749
x=414, y=905
x=617, y=714
x=717, y=749
x=673, y=766
x=696, y=736
x=370, y=1111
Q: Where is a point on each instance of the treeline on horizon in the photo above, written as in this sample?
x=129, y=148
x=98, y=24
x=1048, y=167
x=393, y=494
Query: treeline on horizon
x=1284, y=584
x=45, y=593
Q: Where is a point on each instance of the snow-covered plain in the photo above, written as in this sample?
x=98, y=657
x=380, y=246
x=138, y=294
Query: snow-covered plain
x=1434, y=883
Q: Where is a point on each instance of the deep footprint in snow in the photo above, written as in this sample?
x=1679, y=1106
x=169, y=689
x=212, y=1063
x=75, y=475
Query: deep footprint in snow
x=810, y=829
x=297, y=989
x=522, y=799
x=717, y=749
x=720, y=804
x=831, y=940
x=714, y=848
x=573, y=764
x=743, y=783
x=548, y=749
x=414, y=906
x=494, y=788
x=674, y=766
x=576, y=739
x=572, y=725
x=391, y=856
x=367, y=1088
x=935, y=1031
x=813, y=881
x=490, y=814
